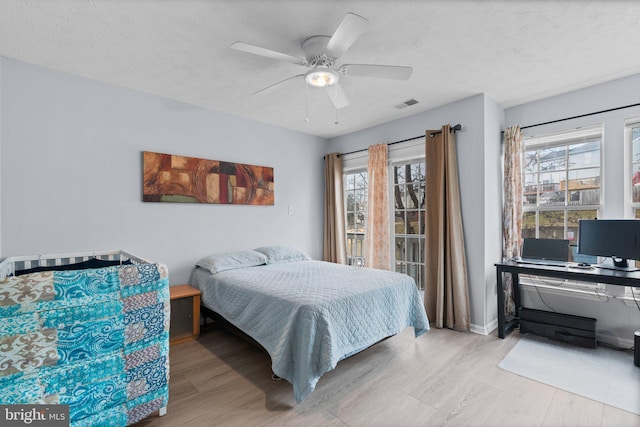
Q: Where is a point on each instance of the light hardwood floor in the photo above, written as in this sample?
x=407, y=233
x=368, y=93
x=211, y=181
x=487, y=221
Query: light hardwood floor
x=441, y=378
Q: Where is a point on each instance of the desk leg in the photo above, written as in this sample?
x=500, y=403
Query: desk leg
x=501, y=316
x=515, y=285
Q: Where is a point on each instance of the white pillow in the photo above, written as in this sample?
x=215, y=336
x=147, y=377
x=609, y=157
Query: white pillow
x=276, y=254
x=231, y=260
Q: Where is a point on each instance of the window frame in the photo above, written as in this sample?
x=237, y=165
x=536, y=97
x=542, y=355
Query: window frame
x=399, y=153
x=564, y=138
x=419, y=265
x=355, y=259
x=633, y=208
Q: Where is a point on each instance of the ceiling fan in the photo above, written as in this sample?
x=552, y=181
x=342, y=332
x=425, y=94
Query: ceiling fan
x=320, y=56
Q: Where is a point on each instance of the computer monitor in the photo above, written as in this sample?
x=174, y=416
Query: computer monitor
x=615, y=238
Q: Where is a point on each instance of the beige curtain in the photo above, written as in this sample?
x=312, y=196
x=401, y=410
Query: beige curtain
x=512, y=205
x=446, y=290
x=335, y=248
x=377, y=237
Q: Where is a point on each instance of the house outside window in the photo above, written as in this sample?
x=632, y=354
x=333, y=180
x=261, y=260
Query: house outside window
x=562, y=183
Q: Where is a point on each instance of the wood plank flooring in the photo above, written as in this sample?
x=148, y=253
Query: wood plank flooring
x=441, y=378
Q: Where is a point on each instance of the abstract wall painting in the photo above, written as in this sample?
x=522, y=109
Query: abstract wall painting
x=180, y=179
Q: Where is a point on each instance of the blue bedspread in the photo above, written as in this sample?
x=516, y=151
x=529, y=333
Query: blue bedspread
x=311, y=314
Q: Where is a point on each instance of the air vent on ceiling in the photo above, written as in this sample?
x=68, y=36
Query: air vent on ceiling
x=407, y=103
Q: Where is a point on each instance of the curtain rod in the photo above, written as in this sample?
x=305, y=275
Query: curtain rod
x=581, y=115
x=454, y=129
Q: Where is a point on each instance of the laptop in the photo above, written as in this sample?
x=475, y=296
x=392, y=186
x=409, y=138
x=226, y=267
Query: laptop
x=553, y=252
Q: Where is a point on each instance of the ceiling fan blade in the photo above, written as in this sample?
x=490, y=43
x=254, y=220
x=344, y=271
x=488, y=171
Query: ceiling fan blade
x=349, y=30
x=257, y=50
x=276, y=86
x=380, y=71
x=337, y=95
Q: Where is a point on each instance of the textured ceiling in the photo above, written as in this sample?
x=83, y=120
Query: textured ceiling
x=514, y=51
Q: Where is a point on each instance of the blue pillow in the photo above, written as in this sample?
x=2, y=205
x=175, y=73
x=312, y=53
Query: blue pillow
x=231, y=260
x=276, y=254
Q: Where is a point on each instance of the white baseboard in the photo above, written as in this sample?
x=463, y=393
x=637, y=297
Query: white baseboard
x=486, y=329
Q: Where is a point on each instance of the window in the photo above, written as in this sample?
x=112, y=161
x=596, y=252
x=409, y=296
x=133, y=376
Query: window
x=632, y=132
x=355, y=194
x=409, y=212
x=632, y=137
x=407, y=205
x=562, y=183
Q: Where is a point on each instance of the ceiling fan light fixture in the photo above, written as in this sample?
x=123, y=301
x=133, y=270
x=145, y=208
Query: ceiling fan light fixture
x=321, y=77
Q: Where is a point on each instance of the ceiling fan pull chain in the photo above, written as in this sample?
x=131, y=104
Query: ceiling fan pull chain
x=335, y=106
x=306, y=93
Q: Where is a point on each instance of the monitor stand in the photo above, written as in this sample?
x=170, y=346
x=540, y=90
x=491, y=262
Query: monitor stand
x=619, y=264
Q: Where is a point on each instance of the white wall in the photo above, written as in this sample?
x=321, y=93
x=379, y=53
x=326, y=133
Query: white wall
x=471, y=157
x=616, y=320
x=71, y=173
x=493, y=176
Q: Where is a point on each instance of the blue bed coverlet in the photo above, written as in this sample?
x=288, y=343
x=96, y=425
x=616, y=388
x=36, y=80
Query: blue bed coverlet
x=309, y=315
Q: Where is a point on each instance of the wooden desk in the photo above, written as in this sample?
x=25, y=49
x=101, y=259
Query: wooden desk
x=186, y=291
x=595, y=275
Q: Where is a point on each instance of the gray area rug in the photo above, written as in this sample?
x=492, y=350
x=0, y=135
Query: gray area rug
x=601, y=374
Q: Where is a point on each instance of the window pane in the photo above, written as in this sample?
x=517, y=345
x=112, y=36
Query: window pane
x=551, y=192
x=413, y=222
x=350, y=181
x=400, y=248
x=398, y=195
x=552, y=159
x=401, y=267
x=361, y=180
x=413, y=249
x=350, y=222
x=413, y=196
x=530, y=164
x=530, y=189
x=400, y=227
x=584, y=186
x=529, y=224
x=398, y=175
x=636, y=183
x=584, y=154
x=551, y=224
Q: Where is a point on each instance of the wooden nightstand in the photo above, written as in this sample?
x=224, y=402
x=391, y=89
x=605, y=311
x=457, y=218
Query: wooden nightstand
x=177, y=293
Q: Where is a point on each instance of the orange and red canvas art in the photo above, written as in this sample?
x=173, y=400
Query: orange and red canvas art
x=180, y=179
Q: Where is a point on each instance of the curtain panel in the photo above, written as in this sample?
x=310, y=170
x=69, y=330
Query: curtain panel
x=446, y=287
x=377, y=240
x=334, y=246
x=512, y=205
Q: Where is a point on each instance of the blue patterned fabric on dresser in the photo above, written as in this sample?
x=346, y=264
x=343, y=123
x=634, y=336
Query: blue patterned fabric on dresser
x=97, y=340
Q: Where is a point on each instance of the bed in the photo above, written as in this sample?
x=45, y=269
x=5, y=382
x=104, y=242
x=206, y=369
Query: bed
x=308, y=315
